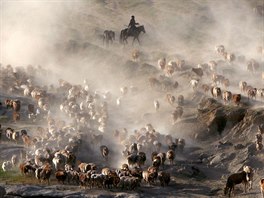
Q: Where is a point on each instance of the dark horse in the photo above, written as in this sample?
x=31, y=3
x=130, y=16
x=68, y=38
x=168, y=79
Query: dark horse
x=135, y=34
x=109, y=36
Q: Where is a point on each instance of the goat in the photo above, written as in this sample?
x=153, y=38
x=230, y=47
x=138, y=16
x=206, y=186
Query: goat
x=61, y=176
x=43, y=173
x=6, y=166
x=236, y=178
x=26, y=168
x=261, y=183
x=170, y=156
x=236, y=98
x=164, y=178
x=250, y=171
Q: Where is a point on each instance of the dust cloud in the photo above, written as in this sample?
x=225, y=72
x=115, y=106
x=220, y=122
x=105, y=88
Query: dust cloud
x=66, y=37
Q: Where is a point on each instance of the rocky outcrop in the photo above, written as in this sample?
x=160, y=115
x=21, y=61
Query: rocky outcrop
x=57, y=191
x=218, y=117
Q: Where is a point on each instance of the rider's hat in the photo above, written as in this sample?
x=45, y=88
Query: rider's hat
x=132, y=16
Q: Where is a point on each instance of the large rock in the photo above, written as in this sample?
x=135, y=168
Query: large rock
x=35, y=191
x=218, y=117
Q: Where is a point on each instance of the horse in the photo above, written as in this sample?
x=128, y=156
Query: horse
x=134, y=33
x=108, y=36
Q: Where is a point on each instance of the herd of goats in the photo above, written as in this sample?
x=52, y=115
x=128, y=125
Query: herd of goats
x=55, y=145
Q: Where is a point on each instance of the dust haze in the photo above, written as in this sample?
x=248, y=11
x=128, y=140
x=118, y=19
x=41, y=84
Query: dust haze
x=65, y=37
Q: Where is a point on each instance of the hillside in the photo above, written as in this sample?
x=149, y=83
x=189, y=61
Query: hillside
x=53, y=57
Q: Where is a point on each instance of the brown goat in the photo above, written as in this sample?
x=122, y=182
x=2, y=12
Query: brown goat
x=236, y=98
x=44, y=173
x=164, y=178
x=236, y=178
x=61, y=176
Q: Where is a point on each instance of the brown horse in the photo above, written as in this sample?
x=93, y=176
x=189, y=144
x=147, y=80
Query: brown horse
x=135, y=34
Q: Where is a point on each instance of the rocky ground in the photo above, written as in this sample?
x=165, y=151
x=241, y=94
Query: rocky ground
x=219, y=138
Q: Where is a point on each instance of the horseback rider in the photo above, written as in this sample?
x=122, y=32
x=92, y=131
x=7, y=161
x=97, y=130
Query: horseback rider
x=132, y=25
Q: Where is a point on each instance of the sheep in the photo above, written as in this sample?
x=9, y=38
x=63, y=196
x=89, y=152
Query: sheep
x=170, y=156
x=236, y=178
x=169, y=69
x=212, y=65
x=59, y=162
x=259, y=146
x=129, y=183
x=180, y=100
x=141, y=158
x=171, y=99
x=164, y=178
x=227, y=96
x=15, y=136
x=9, y=133
x=6, y=166
x=132, y=159
x=84, y=167
x=181, y=144
x=84, y=178
x=104, y=152
x=148, y=177
x=125, y=167
x=162, y=158
x=242, y=86
x=258, y=141
x=16, y=105
x=194, y=83
x=156, y=105
x=217, y=79
x=173, y=146
x=156, y=161
x=225, y=83
x=162, y=63
x=16, y=116
x=216, y=92
x=73, y=176
x=98, y=179
x=133, y=148
x=220, y=49
x=135, y=55
x=252, y=66
x=111, y=180
x=124, y=91
x=252, y=93
x=230, y=57
x=176, y=114
x=27, y=140
x=14, y=160
x=157, y=145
